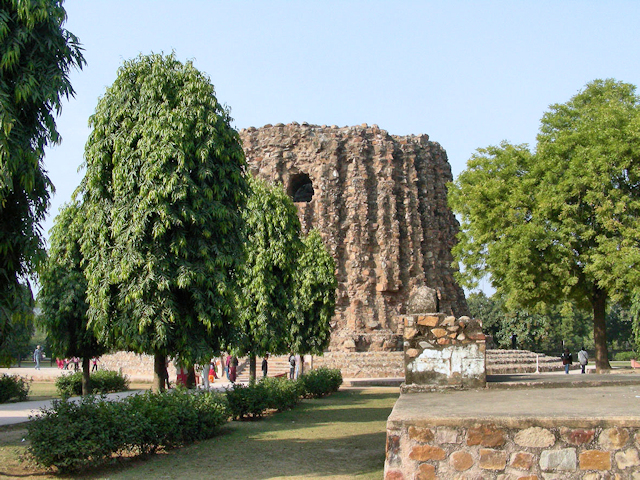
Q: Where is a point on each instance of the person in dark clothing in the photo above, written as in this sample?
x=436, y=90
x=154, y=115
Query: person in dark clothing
x=567, y=360
x=265, y=365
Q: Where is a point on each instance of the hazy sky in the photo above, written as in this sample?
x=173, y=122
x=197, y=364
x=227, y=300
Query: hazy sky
x=467, y=73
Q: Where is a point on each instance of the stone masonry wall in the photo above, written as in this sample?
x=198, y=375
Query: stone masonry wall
x=380, y=203
x=557, y=450
x=442, y=351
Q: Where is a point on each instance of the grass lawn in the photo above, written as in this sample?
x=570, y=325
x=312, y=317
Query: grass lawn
x=338, y=437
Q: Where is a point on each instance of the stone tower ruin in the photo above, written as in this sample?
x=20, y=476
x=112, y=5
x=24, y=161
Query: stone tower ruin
x=380, y=203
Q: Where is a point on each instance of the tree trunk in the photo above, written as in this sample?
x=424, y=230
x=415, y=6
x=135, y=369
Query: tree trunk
x=252, y=367
x=191, y=377
x=599, y=302
x=86, y=376
x=159, y=373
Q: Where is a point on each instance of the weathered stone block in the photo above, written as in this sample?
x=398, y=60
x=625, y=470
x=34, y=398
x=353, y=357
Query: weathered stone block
x=563, y=459
x=522, y=461
x=486, y=436
x=491, y=459
x=447, y=435
x=627, y=459
x=461, y=461
x=426, y=472
x=422, y=453
x=439, y=332
x=421, y=434
x=412, y=352
x=595, y=460
x=577, y=436
x=393, y=450
x=444, y=341
x=394, y=475
x=613, y=438
x=410, y=333
x=535, y=437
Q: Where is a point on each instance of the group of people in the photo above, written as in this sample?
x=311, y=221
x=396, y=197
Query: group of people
x=567, y=359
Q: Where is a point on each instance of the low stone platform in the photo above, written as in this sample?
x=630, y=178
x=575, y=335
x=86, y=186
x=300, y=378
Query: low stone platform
x=586, y=427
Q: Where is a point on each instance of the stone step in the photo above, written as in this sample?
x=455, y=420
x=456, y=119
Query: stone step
x=522, y=361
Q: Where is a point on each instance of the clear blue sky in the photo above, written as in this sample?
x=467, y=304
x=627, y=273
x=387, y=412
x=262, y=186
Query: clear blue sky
x=467, y=73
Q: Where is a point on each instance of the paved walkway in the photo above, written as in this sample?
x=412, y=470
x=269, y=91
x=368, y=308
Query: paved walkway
x=603, y=395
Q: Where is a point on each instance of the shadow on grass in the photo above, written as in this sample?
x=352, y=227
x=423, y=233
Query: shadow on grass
x=340, y=436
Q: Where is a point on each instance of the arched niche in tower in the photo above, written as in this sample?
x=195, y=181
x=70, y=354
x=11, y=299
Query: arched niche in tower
x=300, y=188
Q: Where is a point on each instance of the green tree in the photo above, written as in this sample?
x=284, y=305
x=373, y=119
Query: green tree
x=163, y=192
x=314, y=298
x=36, y=56
x=19, y=330
x=561, y=224
x=62, y=296
x=267, y=278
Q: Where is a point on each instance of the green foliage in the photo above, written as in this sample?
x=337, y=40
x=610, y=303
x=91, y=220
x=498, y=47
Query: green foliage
x=102, y=381
x=561, y=224
x=247, y=400
x=14, y=388
x=320, y=382
x=625, y=356
x=62, y=296
x=19, y=327
x=282, y=393
x=267, y=278
x=163, y=193
x=72, y=436
x=314, y=298
x=36, y=56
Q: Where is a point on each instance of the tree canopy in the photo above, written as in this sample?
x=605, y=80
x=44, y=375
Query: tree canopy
x=163, y=192
x=36, y=56
x=315, y=297
x=562, y=223
x=62, y=296
x=268, y=275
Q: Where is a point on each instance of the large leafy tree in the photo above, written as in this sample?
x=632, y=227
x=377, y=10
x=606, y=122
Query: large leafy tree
x=561, y=224
x=20, y=329
x=268, y=275
x=36, y=56
x=62, y=296
x=163, y=193
x=314, y=298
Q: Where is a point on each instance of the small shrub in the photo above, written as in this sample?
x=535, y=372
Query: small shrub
x=76, y=435
x=14, y=388
x=102, y=381
x=73, y=435
x=247, y=400
x=624, y=356
x=320, y=382
x=282, y=394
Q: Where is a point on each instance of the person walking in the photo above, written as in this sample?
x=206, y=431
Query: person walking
x=233, y=368
x=94, y=361
x=37, y=356
x=206, y=368
x=567, y=360
x=583, y=358
x=265, y=365
x=292, y=367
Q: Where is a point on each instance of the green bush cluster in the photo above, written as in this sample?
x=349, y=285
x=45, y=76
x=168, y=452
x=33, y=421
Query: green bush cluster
x=102, y=381
x=625, y=356
x=76, y=435
x=279, y=393
x=320, y=382
x=13, y=388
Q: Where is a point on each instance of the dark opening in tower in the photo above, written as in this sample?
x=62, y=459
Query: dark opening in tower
x=300, y=188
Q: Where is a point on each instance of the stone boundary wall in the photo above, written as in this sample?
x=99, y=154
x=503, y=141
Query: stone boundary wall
x=363, y=364
x=442, y=351
x=550, y=449
x=136, y=366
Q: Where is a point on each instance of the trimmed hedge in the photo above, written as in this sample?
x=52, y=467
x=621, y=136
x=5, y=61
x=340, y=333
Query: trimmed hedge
x=102, y=381
x=625, y=356
x=14, y=388
x=75, y=435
